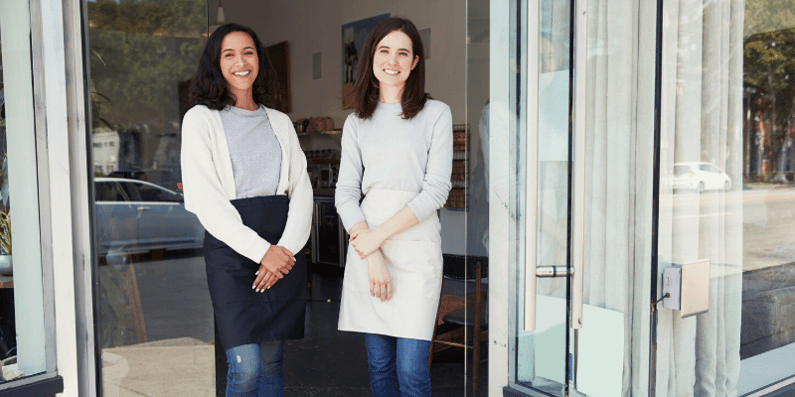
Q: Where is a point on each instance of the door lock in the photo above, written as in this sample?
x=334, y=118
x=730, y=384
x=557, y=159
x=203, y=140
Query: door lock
x=687, y=288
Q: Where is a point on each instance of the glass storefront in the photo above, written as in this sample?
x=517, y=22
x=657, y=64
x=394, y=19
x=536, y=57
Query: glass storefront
x=155, y=320
x=716, y=222
x=596, y=167
x=154, y=311
x=727, y=195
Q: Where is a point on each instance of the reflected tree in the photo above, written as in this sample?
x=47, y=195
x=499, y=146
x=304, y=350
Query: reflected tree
x=769, y=66
x=140, y=51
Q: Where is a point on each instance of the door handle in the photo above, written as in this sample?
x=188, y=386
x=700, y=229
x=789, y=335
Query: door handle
x=578, y=162
x=531, y=181
x=144, y=208
x=577, y=226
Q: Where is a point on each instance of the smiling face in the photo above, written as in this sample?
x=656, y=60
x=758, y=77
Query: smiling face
x=239, y=63
x=394, y=60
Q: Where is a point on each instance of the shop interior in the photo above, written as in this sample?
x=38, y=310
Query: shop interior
x=154, y=326
x=155, y=315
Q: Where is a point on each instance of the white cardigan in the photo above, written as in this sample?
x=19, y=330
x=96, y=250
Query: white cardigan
x=209, y=183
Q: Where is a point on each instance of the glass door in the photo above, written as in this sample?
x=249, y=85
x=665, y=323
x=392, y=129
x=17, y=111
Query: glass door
x=542, y=353
x=579, y=117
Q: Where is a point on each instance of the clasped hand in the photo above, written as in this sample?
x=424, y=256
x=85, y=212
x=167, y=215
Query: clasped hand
x=274, y=265
x=380, y=279
x=365, y=241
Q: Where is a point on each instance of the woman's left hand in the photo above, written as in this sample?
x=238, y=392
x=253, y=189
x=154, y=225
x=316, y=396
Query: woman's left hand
x=365, y=241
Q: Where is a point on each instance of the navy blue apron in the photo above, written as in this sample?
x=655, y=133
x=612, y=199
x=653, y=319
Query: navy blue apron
x=243, y=315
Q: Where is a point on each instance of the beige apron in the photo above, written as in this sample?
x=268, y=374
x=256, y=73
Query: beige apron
x=414, y=259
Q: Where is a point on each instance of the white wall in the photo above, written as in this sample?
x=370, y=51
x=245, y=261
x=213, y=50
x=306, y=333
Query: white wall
x=315, y=26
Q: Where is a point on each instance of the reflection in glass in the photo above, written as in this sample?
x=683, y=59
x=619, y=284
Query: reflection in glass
x=727, y=196
x=475, y=172
x=155, y=328
x=767, y=197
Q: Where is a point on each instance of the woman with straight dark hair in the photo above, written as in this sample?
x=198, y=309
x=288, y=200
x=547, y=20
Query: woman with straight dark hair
x=397, y=151
x=244, y=176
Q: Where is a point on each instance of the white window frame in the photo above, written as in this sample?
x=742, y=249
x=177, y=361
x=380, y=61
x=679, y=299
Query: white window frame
x=59, y=149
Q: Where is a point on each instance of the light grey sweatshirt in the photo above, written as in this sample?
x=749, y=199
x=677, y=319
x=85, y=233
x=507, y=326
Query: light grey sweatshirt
x=390, y=153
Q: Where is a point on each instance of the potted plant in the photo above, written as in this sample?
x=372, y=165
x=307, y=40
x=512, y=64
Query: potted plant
x=5, y=217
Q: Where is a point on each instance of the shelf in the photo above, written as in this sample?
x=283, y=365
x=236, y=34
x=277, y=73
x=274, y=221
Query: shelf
x=310, y=133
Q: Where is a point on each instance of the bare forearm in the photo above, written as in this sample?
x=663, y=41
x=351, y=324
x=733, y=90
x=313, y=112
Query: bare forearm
x=399, y=222
x=366, y=241
x=359, y=226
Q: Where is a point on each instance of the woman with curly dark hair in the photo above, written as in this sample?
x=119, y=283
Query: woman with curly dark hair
x=244, y=176
x=397, y=154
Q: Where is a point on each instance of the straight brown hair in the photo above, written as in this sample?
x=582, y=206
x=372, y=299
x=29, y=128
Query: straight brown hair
x=366, y=89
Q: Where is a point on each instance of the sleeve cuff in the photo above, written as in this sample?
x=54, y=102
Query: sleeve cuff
x=419, y=210
x=351, y=218
x=258, y=251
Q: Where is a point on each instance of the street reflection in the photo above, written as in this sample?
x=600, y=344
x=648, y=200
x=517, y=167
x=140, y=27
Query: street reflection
x=768, y=213
x=767, y=263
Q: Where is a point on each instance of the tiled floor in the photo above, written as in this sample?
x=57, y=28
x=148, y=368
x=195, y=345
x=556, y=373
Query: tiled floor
x=331, y=363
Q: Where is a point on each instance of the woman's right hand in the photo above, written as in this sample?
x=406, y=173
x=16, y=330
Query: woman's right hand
x=380, y=279
x=278, y=260
x=264, y=279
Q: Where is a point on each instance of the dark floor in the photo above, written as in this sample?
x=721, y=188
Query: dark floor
x=331, y=363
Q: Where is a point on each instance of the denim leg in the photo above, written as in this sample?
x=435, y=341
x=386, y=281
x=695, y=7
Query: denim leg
x=271, y=382
x=244, y=363
x=412, y=367
x=381, y=365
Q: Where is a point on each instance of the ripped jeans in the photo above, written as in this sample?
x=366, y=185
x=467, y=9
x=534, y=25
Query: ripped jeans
x=255, y=370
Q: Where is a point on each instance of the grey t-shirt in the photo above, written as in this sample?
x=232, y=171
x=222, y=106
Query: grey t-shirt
x=256, y=153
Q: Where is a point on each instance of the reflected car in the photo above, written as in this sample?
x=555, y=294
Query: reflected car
x=136, y=216
x=159, y=176
x=698, y=176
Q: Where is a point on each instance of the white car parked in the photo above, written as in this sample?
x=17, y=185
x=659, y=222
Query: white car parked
x=698, y=176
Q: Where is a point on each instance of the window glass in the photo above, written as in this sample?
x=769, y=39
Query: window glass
x=767, y=172
x=727, y=102
x=155, y=315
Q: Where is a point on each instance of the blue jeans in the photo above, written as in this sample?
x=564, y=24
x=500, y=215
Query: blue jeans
x=398, y=366
x=255, y=370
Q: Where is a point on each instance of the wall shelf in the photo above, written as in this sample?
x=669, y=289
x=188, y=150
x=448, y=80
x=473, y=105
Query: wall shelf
x=457, y=199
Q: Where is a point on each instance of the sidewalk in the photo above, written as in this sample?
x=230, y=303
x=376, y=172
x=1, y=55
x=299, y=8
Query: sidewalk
x=174, y=367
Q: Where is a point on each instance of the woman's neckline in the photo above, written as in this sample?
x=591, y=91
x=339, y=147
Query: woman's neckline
x=242, y=111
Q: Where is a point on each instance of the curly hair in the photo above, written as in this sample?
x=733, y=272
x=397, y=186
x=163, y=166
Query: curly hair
x=209, y=87
x=366, y=89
